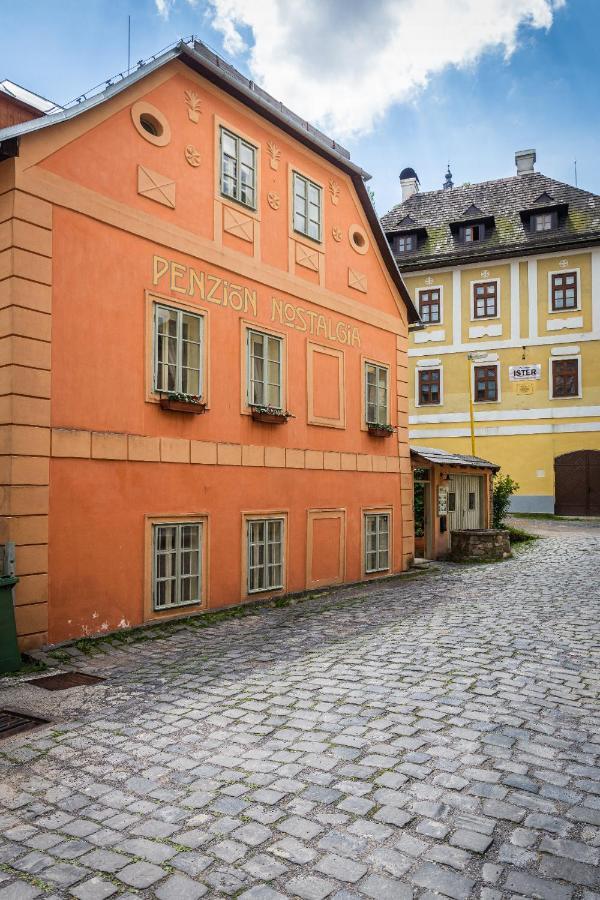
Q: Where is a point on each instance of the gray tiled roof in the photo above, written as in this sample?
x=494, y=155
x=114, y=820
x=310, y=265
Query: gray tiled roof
x=504, y=199
x=445, y=458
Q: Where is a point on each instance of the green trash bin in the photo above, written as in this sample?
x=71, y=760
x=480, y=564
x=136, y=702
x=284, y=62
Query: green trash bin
x=10, y=658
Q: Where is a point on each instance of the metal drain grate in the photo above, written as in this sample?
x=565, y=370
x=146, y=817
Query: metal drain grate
x=14, y=722
x=65, y=680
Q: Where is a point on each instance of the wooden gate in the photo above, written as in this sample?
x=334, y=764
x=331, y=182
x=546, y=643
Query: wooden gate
x=577, y=483
x=465, y=502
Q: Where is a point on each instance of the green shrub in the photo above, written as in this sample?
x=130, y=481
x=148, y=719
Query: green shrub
x=504, y=488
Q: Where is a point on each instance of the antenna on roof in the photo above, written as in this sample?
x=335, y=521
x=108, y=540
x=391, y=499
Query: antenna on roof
x=128, y=44
x=575, y=164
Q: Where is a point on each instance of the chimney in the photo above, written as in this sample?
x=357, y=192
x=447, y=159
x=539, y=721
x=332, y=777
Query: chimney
x=409, y=182
x=525, y=160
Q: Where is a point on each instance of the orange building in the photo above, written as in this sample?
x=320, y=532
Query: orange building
x=204, y=348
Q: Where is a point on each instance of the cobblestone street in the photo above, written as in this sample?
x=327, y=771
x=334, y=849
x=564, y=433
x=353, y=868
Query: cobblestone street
x=439, y=733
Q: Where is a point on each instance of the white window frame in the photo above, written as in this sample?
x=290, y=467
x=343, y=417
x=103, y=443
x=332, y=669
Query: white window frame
x=239, y=142
x=180, y=312
x=250, y=380
x=566, y=271
x=378, y=567
x=538, y=215
x=427, y=368
x=308, y=182
x=498, y=315
x=424, y=290
x=265, y=521
x=178, y=576
x=383, y=368
x=565, y=358
x=482, y=362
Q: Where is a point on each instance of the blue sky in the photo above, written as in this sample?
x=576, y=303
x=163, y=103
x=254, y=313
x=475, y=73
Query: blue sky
x=543, y=95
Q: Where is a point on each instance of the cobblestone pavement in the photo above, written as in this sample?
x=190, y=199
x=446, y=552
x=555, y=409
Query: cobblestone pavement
x=434, y=735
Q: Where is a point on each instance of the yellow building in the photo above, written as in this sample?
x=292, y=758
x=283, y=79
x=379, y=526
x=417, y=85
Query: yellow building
x=506, y=277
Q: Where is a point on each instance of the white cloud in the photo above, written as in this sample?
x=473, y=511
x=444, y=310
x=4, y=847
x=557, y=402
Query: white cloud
x=343, y=63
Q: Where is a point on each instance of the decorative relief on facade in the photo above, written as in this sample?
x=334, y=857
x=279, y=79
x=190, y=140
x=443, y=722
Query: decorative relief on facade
x=273, y=199
x=558, y=324
x=238, y=224
x=479, y=331
x=436, y=335
x=194, y=105
x=307, y=257
x=156, y=187
x=564, y=263
x=429, y=280
x=336, y=233
x=274, y=154
x=485, y=273
x=192, y=155
x=334, y=190
x=357, y=280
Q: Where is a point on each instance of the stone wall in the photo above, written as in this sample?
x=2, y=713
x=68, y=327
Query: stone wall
x=479, y=544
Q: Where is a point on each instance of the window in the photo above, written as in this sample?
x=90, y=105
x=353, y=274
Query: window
x=176, y=564
x=264, y=370
x=265, y=554
x=238, y=169
x=307, y=207
x=452, y=501
x=429, y=386
x=404, y=243
x=543, y=221
x=177, y=351
x=565, y=377
x=564, y=291
x=430, y=308
x=486, y=383
x=376, y=394
x=485, y=300
x=377, y=541
x=471, y=234
x=471, y=500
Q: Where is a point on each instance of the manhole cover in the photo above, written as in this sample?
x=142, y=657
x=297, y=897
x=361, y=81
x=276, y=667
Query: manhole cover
x=65, y=680
x=13, y=722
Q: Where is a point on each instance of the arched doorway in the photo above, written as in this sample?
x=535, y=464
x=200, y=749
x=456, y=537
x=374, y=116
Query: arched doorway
x=577, y=483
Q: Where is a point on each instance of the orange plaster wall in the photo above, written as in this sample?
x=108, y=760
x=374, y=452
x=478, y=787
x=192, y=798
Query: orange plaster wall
x=97, y=535
x=105, y=159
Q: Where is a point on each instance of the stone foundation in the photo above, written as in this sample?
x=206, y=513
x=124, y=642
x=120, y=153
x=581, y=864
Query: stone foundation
x=473, y=544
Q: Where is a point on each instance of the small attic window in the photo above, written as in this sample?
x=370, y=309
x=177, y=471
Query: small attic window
x=472, y=234
x=405, y=243
x=151, y=125
x=545, y=221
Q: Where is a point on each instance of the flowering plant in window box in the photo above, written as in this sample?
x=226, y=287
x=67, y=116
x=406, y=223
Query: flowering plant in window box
x=380, y=430
x=177, y=402
x=270, y=414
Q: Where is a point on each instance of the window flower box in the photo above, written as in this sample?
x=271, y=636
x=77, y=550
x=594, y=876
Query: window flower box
x=380, y=430
x=270, y=415
x=185, y=403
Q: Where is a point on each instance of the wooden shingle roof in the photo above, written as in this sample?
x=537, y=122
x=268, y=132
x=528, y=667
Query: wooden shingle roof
x=504, y=199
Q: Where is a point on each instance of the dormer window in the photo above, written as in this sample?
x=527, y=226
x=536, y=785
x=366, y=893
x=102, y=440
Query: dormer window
x=472, y=234
x=405, y=243
x=545, y=221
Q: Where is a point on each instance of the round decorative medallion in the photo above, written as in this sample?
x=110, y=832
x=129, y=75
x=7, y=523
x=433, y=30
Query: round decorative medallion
x=192, y=155
x=358, y=239
x=273, y=199
x=336, y=233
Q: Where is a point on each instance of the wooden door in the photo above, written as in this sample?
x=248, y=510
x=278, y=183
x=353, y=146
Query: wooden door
x=577, y=483
x=465, y=502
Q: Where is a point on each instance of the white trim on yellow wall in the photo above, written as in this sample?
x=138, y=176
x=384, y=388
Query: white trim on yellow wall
x=515, y=302
x=472, y=315
x=572, y=309
x=553, y=339
x=579, y=393
x=503, y=430
x=504, y=415
x=425, y=290
x=428, y=368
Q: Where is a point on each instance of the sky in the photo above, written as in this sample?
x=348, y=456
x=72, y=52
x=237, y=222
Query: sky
x=419, y=83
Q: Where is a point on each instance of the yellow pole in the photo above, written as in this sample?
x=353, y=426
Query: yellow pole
x=471, y=411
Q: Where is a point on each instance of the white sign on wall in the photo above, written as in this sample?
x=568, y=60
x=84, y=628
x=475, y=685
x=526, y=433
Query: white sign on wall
x=442, y=501
x=525, y=373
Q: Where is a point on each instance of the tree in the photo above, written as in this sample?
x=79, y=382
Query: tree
x=504, y=488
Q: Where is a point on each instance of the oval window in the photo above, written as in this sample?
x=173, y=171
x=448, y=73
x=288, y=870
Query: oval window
x=150, y=123
x=358, y=239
